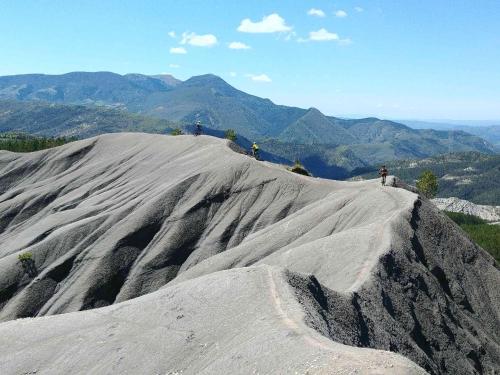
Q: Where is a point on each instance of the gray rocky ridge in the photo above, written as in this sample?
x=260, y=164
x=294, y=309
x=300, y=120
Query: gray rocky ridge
x=454, y=204
x=177, y=255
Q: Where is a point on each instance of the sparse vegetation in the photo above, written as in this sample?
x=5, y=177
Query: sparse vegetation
x=231, y=135
x=25, y=257
x=427, y=184
x=176, y=131
x=28, y=263
x=299, y=168
x=485, y=235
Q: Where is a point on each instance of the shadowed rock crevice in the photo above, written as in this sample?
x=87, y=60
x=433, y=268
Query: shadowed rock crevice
x=23, y=212
x=6, y=293
x=119, y=263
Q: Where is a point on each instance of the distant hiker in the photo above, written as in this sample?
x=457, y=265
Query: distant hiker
x=383, y=172
x=255, y=151
x=197, y=130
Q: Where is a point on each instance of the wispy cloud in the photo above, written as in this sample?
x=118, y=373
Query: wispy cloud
x=291, y=35
x=345, y=41
x=259, y=77
x=172, y=34
x=175, y=66
x=322, y=35
x=358, y=9
x=340, y=13
x=193, y=39
x=316, y=12
x=232, y=74
x=178, y=50
x=272, y=23
x=238, y=45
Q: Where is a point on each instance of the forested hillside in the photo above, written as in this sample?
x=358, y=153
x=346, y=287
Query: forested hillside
x=58, y=120
x=471, y=175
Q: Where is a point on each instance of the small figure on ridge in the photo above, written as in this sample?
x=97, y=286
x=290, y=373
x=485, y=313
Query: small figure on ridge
x=383, y=172
x=255, y=151
x=197, y=130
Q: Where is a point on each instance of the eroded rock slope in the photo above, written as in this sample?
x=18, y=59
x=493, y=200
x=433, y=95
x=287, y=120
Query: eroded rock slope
x=246, y=266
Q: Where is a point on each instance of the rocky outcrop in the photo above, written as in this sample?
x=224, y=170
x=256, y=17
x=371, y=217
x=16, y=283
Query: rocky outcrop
x=453, y=204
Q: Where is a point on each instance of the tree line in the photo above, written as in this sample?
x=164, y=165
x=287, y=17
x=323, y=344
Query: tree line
x=26, y=143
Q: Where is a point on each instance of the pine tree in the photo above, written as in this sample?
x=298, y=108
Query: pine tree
x=427, y=184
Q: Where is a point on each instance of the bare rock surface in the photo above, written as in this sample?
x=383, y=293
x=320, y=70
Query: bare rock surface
x=454, y=204
x=193, y=259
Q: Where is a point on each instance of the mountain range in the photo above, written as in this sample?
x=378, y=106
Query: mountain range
x=328, y=146
x=488, y=130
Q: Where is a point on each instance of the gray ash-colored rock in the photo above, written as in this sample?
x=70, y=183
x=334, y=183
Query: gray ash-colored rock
x=454, y=204
x=239, y=266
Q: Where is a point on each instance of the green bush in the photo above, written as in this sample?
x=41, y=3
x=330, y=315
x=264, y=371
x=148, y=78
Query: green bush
x=427, y=184
x=231, y=135
x=299, y=169
x=176, y=131
x=25, y=257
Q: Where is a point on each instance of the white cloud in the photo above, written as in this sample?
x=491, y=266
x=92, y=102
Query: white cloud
x=174, y=66
x=358, y=9
x=232, y=74
x=172, y=34
x=206, y=40
x=316, y=12
x=341, y=13
x=178, y=50
x=259, y=77
x=272, y=23
x=238, y=45
x=322, y=35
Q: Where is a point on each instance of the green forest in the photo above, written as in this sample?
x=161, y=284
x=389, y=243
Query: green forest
x=485, y=235
x=18, y=142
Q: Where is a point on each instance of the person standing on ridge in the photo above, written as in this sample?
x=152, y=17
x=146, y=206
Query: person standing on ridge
x=255, y=151
x=383, y=172
x=197, y=130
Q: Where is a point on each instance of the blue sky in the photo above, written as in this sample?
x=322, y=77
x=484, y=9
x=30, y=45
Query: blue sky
x=417, y=59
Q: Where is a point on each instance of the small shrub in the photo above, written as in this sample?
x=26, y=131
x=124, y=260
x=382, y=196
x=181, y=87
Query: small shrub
x=28, y=263
x=25, y=257
x=231, y=135
x=176, y=131
x=299, y=169
x=427, y=184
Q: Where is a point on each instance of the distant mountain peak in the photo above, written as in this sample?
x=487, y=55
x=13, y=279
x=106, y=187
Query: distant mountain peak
x=168, y=79
x=213, y=83
x=206, y=79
